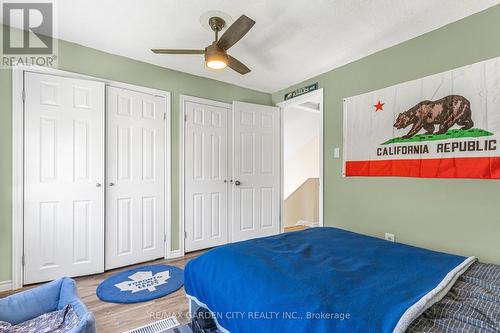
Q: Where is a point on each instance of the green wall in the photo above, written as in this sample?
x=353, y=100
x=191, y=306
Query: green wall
x=454, y=215
x=79, y=59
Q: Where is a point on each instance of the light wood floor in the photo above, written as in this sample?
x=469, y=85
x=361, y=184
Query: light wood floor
x=116, y=318
x=294, y=228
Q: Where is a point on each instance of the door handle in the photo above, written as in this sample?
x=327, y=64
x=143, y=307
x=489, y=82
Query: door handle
x=111, y=184
x=237, y=183
x=98, y=185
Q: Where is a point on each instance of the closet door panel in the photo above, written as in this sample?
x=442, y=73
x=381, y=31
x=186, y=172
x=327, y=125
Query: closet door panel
x=256, y=171
x=64, y=168
x=206, y=176
x=135, y=225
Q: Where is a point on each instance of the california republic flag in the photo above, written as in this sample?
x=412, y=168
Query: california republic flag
x=445, y=126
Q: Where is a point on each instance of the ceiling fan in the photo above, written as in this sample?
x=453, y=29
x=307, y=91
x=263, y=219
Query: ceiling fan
x=216, y=56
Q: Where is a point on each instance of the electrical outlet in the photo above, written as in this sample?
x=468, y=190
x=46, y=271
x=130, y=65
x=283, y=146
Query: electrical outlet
x=390, y=237
x=336, y=152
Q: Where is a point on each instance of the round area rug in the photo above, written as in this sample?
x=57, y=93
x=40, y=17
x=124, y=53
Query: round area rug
x=141, y=284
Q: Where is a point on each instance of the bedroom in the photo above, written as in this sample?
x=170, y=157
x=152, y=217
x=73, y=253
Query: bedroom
x=355, y=52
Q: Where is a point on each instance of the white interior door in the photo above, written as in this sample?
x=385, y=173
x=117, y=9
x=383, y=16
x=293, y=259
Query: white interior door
x=135, y=224
x=63, y=176
x=206, y=181
x=256, y=171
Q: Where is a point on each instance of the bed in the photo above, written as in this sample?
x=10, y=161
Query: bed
x=325, y=280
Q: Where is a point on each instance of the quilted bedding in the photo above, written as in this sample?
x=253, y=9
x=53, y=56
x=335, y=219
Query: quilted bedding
x=471, y=306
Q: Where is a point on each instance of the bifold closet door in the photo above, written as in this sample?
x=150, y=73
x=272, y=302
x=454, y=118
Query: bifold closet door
x=256, y=171
x=135, y=224
x=206, y=175
x=63, y=177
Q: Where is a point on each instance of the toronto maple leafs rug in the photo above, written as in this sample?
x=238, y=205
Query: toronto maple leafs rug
x=141, y=284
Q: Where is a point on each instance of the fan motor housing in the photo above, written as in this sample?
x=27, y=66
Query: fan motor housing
x=213, y=52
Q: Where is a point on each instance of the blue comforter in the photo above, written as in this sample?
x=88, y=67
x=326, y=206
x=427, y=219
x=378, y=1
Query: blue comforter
x=317, y=280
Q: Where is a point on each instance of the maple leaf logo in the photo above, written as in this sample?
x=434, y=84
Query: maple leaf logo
x=144, y=280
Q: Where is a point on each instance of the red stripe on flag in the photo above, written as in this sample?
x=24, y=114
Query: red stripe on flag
x=463, y=167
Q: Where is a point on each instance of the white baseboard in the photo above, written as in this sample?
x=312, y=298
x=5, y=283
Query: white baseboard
x=174, y=254
x=309, y=224
x=5, y=285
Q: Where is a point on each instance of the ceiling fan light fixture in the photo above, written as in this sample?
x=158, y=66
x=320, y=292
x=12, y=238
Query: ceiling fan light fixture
x=216, y=64
x=215, y=58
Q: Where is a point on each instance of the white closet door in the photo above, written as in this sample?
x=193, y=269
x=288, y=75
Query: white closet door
x=206, y=183
x=256, y=171
x=135, y=224
x=63, y=176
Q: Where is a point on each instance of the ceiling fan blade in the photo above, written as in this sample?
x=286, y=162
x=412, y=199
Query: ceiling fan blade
x=235, y=32
x=177, y=51
x=238, y=66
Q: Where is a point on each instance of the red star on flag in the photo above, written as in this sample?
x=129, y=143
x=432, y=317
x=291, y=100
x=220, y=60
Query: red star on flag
x=379, y=106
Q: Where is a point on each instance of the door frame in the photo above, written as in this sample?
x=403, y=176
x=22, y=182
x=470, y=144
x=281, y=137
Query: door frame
x=288, y=103
x=17, y=256
x=182, y=124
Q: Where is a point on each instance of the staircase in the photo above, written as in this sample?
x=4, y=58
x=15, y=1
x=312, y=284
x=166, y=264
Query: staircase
x=302, y=206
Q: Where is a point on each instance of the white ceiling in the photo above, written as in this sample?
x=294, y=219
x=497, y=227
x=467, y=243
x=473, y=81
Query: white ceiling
x=292, y=40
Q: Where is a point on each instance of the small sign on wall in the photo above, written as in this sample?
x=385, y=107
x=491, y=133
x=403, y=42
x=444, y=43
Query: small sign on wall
x=301, y=91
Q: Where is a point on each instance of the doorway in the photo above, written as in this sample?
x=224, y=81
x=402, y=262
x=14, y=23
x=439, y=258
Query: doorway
x=302, y=161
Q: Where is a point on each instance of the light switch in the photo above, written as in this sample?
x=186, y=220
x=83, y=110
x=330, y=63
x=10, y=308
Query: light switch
x=336, y=152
